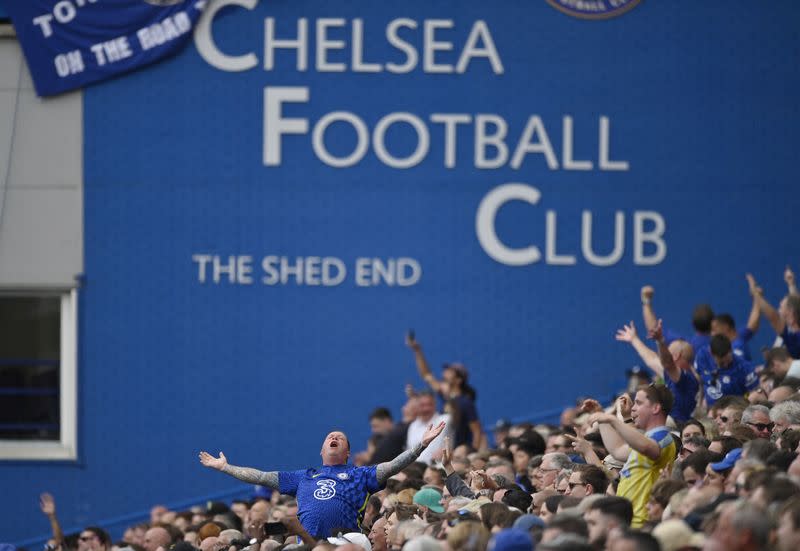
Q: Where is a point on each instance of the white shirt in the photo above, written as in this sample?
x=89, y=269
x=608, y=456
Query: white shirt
x=417, y=429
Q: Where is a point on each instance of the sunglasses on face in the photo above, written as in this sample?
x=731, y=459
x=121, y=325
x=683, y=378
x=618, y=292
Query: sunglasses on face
x=762, y=426
x=572, y=485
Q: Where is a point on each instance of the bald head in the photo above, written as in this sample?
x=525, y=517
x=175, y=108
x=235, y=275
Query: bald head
x=156, y=537
x=683, y=353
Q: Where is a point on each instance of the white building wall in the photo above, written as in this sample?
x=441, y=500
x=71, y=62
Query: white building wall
x=41, y=180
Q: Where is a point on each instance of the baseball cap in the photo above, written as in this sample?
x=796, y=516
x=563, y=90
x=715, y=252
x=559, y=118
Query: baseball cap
x=526, y=522
x=502, y=424
x=352, y=537
x=728, y=462
x=429, y=497
x=511, y=539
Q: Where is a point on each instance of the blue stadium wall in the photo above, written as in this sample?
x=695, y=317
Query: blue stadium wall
x=694, y=102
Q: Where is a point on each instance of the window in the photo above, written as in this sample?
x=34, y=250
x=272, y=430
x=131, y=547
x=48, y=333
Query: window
x=38, y=336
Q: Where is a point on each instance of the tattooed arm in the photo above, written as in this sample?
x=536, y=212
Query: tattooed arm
x=390, y=468
x=245, y=474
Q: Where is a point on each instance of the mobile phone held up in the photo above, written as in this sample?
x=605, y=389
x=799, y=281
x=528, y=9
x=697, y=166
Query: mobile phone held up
x=274, y=528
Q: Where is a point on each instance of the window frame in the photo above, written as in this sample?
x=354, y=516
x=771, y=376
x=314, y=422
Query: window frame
x=66, y=448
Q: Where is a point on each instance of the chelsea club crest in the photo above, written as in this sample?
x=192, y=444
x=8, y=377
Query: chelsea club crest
x=342, y=476
x=593, y=9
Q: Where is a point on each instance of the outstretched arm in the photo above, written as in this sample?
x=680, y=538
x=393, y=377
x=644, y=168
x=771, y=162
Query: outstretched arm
x=390, y=468
x=627, y=433
x=612, y=441
x=422, y=363
x=791, y=284
x=670, y=369
x=648, y=314
x=245, y=474
x=585, y=448
x=48, y=505
x=628, y=334
x=767, y=310
x=754, y=319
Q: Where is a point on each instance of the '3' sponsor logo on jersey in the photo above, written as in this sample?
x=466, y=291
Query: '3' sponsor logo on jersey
x=326, y=490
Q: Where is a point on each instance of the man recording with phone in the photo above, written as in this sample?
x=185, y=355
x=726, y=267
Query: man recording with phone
x=330, y=497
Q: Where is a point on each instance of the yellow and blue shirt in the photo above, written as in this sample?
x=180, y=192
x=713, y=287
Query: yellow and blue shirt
x=640, y=473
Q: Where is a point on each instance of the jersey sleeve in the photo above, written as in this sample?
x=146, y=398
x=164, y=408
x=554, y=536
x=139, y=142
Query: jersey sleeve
x=792, y=342
x=703, y=362
x=370, y=477
x=750, y=377
x=288, y=481
x=745, y=334
x=663, y=438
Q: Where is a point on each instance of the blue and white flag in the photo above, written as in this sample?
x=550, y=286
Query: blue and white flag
x=71, y=43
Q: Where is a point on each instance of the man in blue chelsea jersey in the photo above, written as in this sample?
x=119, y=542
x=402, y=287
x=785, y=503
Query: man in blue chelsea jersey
x=332, y=496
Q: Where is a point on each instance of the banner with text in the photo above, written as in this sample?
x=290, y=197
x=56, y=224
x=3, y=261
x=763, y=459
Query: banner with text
x=69, y=44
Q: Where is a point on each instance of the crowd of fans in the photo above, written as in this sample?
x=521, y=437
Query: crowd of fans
x=704, y=457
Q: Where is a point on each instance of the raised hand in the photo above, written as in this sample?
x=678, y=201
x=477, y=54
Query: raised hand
x=432, y=433
x=657, y=332
x=212, y=462
x=411, y=342
x=580, y=445
x=447, y=456
x=623, y=406
x=755, y=290
x=601, y=417
x=627, y=333
x=647, y=293
x=788, y=276
x=590, y=406
x=481, y=481
x=48, y=504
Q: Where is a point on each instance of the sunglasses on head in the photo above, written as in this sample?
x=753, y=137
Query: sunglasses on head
x=453, y=521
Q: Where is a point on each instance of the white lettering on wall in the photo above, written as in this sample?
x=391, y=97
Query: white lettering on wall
x=492, y=244
x=340, y=46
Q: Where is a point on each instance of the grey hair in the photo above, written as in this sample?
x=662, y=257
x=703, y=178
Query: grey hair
x=423, y=543
x=747, y=414
x=559, y=460
x=229, y=535
x=748, y=517
x=409, y=529
x=786, y=410
x=759, y=449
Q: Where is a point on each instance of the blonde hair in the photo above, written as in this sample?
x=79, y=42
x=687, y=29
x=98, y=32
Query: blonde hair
x=468, y=536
